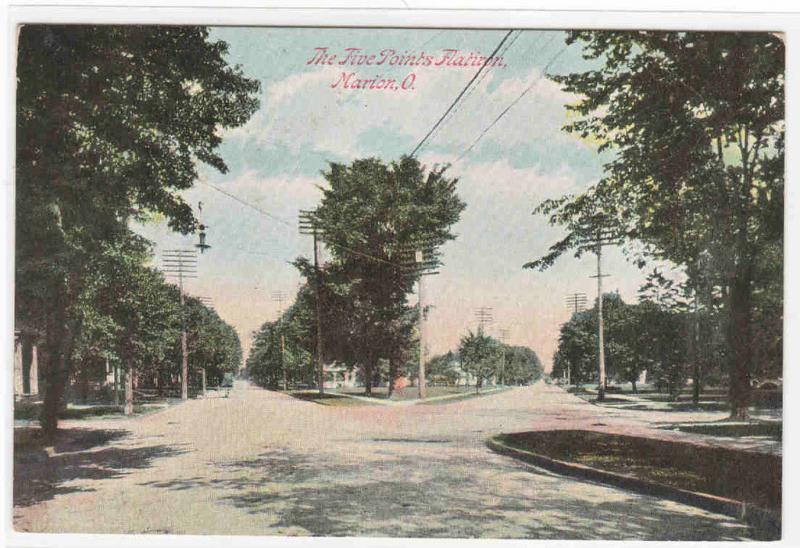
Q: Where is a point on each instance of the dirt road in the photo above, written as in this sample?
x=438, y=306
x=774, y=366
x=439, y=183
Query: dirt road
x=262, y=463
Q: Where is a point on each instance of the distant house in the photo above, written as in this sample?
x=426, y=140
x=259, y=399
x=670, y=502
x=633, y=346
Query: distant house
x=338, y=376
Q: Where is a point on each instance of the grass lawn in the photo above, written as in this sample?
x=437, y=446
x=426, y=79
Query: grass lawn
x=29, y=411
x=740, y=475
x=328, y=398
x=461, y=396
x=412, y=392
x=340, y=398
x=773, y=430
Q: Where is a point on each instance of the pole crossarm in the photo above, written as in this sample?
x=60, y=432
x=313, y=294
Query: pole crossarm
x=181, y=264
x=484, y=316
x=576, y=302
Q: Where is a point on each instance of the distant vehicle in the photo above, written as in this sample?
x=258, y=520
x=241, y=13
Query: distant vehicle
x=227, y=380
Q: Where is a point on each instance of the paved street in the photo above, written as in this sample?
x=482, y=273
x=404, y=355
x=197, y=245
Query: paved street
x=262, y=463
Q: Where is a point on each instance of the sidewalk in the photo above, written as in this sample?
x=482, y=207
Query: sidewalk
x=657, y=420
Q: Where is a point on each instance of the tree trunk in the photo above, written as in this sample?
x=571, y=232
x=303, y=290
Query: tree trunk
x=59, y=344
x=633, y=387
x=129, y=390
x=368, y=378
x=116, y=384
x=27, y=360
x=739, y=342
x=392, y=374
x=694, y=352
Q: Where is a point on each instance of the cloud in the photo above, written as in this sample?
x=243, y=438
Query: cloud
x=303, y=112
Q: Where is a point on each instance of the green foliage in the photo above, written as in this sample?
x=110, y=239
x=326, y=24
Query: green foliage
x=639, y=337
x=266, y=362
x=372, y=217
x=480, y=356
x=111, y=122
x=443, y=368
x=522, y=365
x=695, y=123
x=213, y=344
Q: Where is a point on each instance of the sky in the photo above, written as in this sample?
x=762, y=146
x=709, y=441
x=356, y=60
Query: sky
x=313, y=113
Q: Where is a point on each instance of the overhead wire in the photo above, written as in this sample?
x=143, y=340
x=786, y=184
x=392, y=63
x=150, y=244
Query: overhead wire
x=458, y=97
x=452, y=108
x=514, y=102
x=472, y=89
x=287, y=223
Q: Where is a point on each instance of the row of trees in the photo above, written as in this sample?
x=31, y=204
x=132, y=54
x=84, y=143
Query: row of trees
x=111, y=124
x=695, y=122
x=282, y=355
x=133, y=320
x=669, y=334
x=486, y=358
x=638, y=337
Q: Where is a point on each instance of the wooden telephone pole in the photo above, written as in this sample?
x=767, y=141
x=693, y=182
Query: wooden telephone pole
x=484, y=316
x=181, y=264
x=601, y=238
x=503, y=338
x=309, y=224
x=426, y=260
x=280, y=297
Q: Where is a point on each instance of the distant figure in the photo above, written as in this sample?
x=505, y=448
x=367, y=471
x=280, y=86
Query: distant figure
x=401, y=382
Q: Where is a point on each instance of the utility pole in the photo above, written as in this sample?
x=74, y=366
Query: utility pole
x=503, y=338
x=425, y=261
x=423, y=385
x=577, y=303
x=279, y=297
x=310, y=225
x=181, y=263
x=601, y=357
x=208, y=302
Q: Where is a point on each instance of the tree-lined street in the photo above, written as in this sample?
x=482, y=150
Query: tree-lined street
x=264, y=463
x=377, y=248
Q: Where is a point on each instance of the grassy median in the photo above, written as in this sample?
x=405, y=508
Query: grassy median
x=740, y=475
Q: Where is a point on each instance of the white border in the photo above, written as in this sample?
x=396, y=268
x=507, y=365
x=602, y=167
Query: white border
x=679, y=14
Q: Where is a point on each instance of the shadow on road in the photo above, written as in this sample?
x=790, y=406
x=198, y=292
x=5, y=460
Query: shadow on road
x=42, y=471
x=443, y=496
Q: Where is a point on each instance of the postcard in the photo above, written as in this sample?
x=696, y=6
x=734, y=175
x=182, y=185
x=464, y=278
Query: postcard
x=509, y=282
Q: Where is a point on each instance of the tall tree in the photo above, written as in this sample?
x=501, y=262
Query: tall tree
x=695, y=122
x=522, y=365
x=111, y=121
x=372, y=218
x=480, y=356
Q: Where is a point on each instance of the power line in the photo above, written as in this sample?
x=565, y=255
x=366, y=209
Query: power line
x=475, y=86
x=453, y=104
x=514, y=102
x=248, y=204
x=283, y=221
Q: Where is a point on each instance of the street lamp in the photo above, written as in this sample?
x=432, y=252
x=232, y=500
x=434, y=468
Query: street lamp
x=202, y=245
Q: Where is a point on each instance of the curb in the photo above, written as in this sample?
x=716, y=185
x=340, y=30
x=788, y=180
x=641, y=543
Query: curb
x=768, y=522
